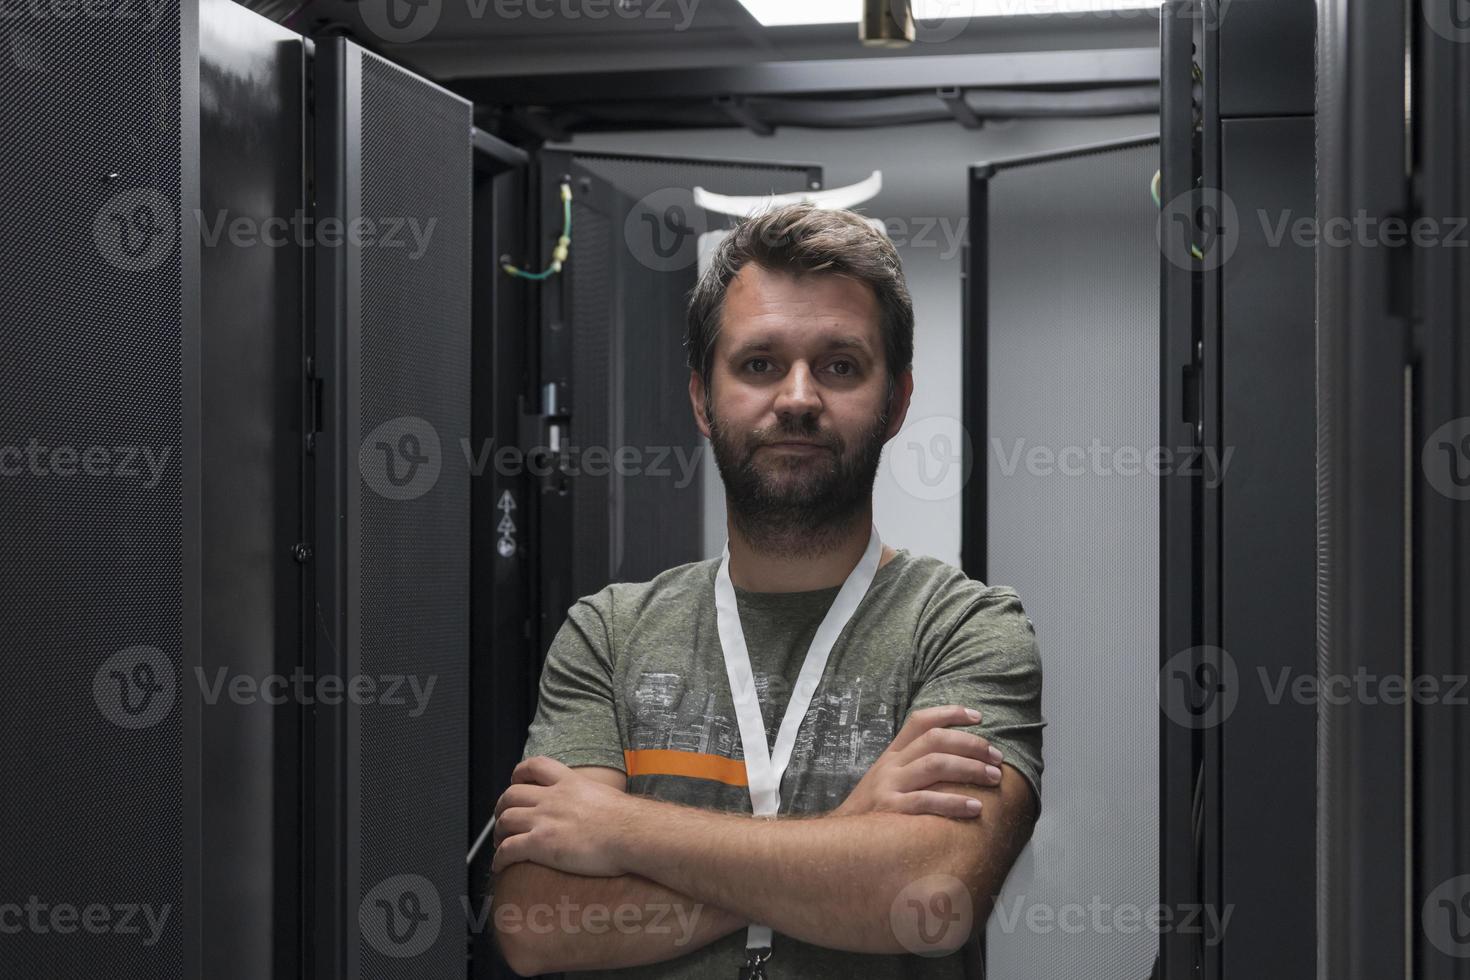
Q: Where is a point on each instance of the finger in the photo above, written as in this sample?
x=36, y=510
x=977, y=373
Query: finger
x=518, y=794
x=516, y=820
x=924, y=719
x=942, y=767
x=512, y=850
x=950, y=740
x=942, y=804
x=540, y=769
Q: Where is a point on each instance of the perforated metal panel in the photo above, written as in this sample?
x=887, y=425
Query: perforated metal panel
x=395, y=526
x=414, y=558
x=1072, y=525
x=92, y=497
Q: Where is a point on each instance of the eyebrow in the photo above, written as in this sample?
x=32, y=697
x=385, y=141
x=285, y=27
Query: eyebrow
x=844, y=342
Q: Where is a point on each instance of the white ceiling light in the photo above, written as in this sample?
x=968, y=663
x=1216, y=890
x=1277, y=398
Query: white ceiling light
x=789, y=13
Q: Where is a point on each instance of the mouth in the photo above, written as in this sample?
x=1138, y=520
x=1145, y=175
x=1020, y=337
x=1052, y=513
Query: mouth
x=795, y=446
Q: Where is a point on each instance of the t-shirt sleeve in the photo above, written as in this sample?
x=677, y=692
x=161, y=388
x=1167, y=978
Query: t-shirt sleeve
x=576, y=718
x=976, y=647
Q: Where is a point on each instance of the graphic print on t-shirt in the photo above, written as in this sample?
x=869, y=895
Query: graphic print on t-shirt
x=679, y=728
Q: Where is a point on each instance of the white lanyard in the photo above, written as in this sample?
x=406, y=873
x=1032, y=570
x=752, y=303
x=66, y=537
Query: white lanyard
x=763, y=770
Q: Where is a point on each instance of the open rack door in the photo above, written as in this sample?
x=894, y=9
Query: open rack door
x=635, y=490
x=392, y=358
x=1062, y=354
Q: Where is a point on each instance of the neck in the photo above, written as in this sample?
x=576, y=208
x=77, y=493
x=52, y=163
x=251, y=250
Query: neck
x=821, y=565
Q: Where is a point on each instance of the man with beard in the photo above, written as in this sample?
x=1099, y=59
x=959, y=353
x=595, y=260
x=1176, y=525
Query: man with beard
x=878, y=710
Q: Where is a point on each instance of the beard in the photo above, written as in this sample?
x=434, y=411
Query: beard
x=797, y=505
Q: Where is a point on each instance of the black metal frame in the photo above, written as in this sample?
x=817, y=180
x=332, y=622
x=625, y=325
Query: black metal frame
x=331, y=828
x=254, y=304
x=1179, y=496
x=1363, y=339
x=1175, y=843
x=192, y=918
x=1254, y=88
x=1441, y=527
x=975, y=336
x=1209, y=776
x=974, y=368
x=503, y=652
x=1086, y=68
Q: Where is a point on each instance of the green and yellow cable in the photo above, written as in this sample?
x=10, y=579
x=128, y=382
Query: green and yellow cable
x=1154, y=190
x=558, y=254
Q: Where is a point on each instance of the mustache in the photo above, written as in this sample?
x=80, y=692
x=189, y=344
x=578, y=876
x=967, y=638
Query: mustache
x=817, y=438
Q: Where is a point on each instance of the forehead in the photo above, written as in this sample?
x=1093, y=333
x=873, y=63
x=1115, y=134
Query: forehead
x=771, y=310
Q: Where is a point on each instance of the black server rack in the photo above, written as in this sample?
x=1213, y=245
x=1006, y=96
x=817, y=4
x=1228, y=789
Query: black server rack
x=391, y=355
x=1237, y=300
x=101, y=498
x=610, y=363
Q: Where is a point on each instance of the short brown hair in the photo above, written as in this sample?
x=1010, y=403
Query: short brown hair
x=803, y=238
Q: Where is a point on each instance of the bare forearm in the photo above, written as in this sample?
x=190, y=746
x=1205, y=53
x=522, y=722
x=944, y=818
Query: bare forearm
x=549, y=921
x=831, y=880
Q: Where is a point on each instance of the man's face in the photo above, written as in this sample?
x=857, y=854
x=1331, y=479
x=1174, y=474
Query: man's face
x=798, y=358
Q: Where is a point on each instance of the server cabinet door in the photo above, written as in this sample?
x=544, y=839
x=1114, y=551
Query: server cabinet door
x=636, y=490
x=1062, y=389
x=99, y=493
x=392, y=356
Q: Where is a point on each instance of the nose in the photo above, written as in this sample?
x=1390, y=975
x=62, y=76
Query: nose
x=798, y=393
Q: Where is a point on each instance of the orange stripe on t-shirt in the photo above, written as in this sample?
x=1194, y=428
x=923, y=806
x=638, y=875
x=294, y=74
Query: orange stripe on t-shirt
x=673, y=762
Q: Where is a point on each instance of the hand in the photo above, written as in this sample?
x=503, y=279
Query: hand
x=925, y=753
x=556, y=817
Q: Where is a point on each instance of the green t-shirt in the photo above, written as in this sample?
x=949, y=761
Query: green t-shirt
x=635, y=680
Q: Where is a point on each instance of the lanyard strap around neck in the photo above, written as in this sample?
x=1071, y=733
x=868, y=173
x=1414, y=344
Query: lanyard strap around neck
x=763, y=769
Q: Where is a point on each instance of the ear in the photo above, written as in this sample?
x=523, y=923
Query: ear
x=696, y=401
x=903, y=390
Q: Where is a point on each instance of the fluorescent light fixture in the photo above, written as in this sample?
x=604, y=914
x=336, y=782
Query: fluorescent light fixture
x=789, y=13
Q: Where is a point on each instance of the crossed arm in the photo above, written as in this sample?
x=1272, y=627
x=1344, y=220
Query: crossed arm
x=844, y=880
